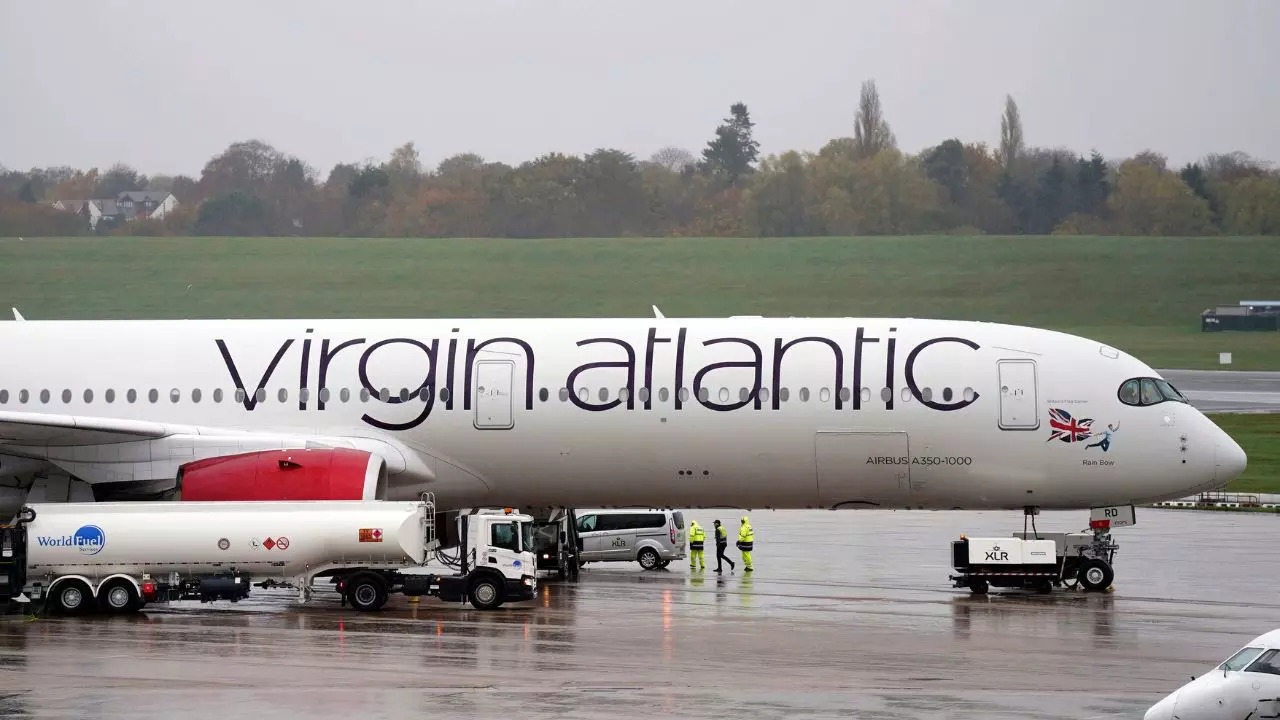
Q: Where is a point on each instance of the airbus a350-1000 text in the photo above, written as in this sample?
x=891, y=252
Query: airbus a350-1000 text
x=540, y=413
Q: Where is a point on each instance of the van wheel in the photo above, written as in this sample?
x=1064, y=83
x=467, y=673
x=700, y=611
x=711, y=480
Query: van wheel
x=366, y=592
x=648, y=559
x=1095, y=575
x=73, y=597
x=118, y=597
x=485, y=593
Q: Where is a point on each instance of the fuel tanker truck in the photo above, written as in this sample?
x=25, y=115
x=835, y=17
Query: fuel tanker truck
x=119, y=556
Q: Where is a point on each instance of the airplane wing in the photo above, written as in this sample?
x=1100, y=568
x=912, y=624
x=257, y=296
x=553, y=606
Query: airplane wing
x=102, y=450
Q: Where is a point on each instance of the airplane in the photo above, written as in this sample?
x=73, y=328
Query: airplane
x=1245, y=685
x=738, y=412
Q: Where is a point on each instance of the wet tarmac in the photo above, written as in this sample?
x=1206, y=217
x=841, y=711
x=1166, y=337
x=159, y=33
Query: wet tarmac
x=848, y=614
x=1228, y=390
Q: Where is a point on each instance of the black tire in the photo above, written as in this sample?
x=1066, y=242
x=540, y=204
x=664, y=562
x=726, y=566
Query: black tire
x=366, y=592
x=118, y=597
x=485, y=592
x=978, y=586
x=72, y=597
x=648, y=558
x=1095, y=575
x=664, y=563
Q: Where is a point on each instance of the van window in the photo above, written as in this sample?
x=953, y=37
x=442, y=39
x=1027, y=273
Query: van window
x=587, y=523
x=1242, y=658
x=503, y=535
x=679, y=517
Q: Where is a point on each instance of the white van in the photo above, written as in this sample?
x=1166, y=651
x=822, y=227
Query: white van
x=652, y=538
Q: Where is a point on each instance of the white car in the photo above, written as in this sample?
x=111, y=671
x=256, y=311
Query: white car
x=1247, y=685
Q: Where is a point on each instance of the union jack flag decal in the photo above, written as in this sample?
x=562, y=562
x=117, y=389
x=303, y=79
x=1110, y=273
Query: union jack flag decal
x=1068, y=429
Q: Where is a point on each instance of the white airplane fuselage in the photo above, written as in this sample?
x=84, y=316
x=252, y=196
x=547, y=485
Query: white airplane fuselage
x=740, y=412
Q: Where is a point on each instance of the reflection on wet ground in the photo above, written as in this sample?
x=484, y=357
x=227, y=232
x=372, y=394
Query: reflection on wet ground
x=847, y=614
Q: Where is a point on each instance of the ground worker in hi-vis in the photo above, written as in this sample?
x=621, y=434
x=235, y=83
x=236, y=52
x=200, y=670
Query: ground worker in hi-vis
x=746, y=542
x=697, y=538
x=722, y=542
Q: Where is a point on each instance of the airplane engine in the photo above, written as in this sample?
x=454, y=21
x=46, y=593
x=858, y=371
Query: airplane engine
x=290, y=474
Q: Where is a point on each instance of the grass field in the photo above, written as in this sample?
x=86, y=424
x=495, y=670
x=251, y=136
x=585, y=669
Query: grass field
x=1259, y=435
x=1143, y=295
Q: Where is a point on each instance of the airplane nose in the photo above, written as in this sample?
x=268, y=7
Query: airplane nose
x=1230, y=458
x=1162, y=710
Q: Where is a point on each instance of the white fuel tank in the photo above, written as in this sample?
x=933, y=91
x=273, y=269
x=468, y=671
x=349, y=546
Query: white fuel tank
x=258, y=538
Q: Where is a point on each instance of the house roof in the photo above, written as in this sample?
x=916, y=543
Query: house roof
x=156, y=196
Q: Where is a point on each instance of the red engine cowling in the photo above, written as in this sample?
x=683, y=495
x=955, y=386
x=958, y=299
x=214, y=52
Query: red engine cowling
x=294, y=474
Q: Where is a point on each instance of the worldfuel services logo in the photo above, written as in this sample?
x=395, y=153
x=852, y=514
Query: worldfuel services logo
x=89, y=540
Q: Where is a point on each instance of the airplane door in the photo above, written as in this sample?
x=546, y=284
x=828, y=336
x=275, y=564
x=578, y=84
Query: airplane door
x=494, y=400
x=1019, y=399
x=862, y=469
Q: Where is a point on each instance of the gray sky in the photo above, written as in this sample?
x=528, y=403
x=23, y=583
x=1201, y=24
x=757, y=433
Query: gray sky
x=165, y=85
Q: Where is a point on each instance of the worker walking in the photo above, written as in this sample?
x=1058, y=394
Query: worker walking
x=746, y=542
x=697, y=537
x=722, y=543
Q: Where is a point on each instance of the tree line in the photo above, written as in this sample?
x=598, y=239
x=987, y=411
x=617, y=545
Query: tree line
x=862, y=184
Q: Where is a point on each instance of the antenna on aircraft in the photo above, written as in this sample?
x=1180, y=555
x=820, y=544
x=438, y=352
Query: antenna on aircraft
x=657, y=313
x=17, y=315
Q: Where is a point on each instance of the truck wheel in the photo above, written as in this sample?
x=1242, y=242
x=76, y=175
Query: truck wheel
x=978, y=586
x=648, y=559
x=485, y=593
x=73, y=597
x=1096, y=575
x=366, y=592
x=118, y=597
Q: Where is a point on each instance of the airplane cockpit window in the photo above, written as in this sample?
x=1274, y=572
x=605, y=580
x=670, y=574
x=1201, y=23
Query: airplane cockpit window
x=1149, y=391
x=1268, y=663
x=1241, y=659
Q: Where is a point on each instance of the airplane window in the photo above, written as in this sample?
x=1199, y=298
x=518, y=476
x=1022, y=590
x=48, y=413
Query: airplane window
x=261, y=395
x=323, y=395
x=824, y=395
x=132, y=396
x=564, y=394
x=384, y=394
x=663, y=394
x=704, y=394
x=195, y=395
x=66, y=396
x=304, y=394
x=44, y=396
x=804, y=394
x=927, y=394
x=684, y=394
x=175, y=395
x=364, y=394
x=153, y=395
x=1129, y=392
x=88, y=396
x=946, y=394
x=643, y=394
x=1150, y=392
x=444, y=394
x=584, y=394
x=784, y=394
x=743, y=393
x=1241, y=659
x=404, y=394
x=4, y=397
x=110, y=395
x=969, y=394
x=344, y=395
x=886, y=394
x=604, y=394
x=906, y=394
x=764, y=394
x=424, y=393
x=1169, y=392
x=623, y=393
x=866, y=394
x=845, y=394
x=217, y=395
x=1268, y=663
x=543, y=394
x=724, y=394
x=240, y=395
x=23, y=396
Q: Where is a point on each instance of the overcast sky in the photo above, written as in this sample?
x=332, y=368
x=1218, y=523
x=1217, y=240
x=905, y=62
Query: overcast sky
x=165, y=85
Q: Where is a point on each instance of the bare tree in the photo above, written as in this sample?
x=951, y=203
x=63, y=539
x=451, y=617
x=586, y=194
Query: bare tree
x=672, y=158
x=1011, y=143
x=871, y=132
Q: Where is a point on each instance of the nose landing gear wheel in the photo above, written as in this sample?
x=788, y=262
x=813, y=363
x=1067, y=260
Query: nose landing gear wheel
x=1096, y=575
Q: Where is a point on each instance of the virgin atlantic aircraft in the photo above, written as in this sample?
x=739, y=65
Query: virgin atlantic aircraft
x=545, y=413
